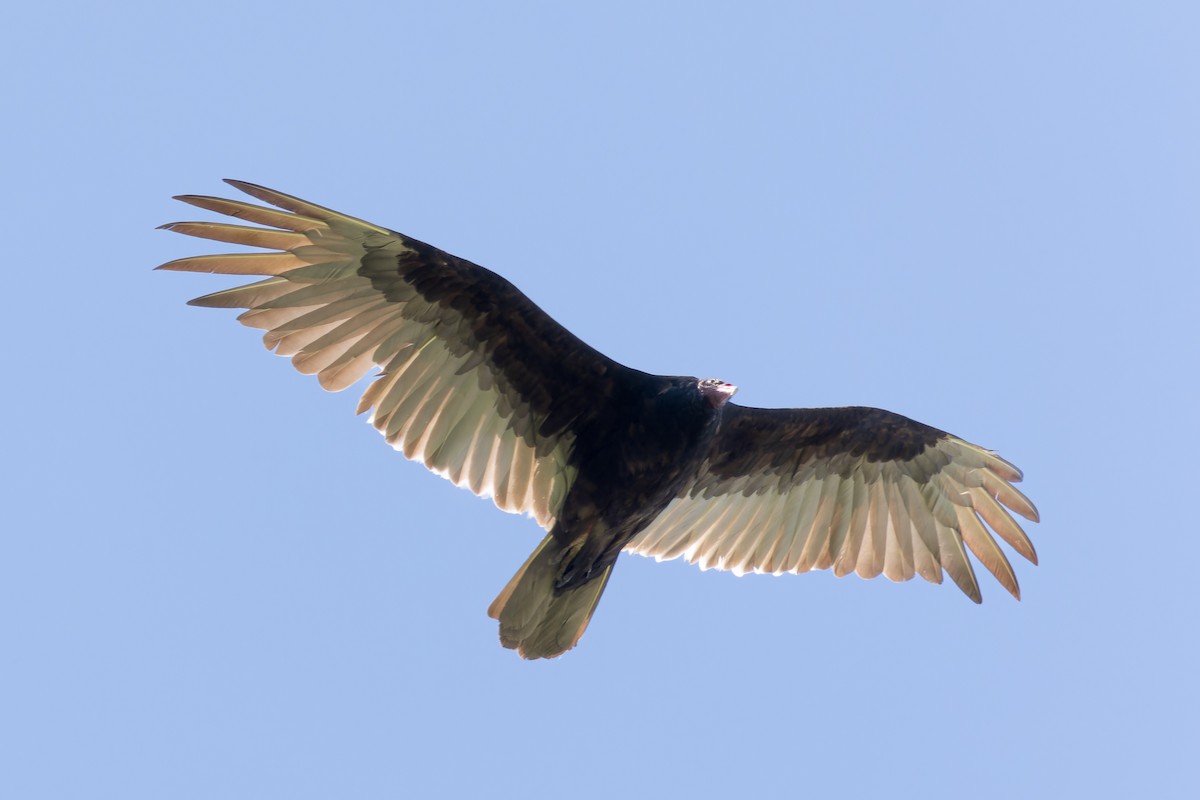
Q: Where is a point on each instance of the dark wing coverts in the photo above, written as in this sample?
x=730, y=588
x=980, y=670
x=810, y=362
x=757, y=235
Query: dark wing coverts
x=856, y=489
x=477, y=382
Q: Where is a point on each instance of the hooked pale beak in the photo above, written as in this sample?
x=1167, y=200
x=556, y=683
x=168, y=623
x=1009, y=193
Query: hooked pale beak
x=719, y=394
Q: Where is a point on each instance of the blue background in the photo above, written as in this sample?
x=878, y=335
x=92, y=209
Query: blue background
x=216, y=582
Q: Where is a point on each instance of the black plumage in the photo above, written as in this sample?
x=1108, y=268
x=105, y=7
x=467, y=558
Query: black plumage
x=487, y=390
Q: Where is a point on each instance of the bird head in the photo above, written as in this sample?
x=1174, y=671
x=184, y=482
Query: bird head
x=716, y=391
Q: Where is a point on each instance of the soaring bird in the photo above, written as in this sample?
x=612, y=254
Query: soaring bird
x=485, y=389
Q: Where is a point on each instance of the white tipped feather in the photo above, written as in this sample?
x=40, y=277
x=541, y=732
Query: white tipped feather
x=925, y=562
x=268, y=319
x=237, y=264
x=976, y=537
x=671, y=541
x=1000, y=521
x=240, y=234
x=253, y=213
x=816, y=542
x=416, y=411
x=772, y=532
x=289, y=344
x=520, y=476
x=777, y=552
x=345, y=372
x=706, y=549
x=956, y=563
x=444, y=450
x=898, y=563
x=408, y=393
x=252, y=294
x=998, y=465
x=326, y=350
x=807, y=511
x=922, y=518
x=1009, y=496
x=498, y=468
x=356, y=360
x=739, y=559
x=843, y=513
x=305, y=208
x=874, y=547
x=320, y=294
x=480, y=464
x=459, y=440
x=340, y=311
x=690, y=529
x=423, y=419
x=845, y=557
x=664, y=525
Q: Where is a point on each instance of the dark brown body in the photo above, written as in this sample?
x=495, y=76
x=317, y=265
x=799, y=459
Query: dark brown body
x=632, y=461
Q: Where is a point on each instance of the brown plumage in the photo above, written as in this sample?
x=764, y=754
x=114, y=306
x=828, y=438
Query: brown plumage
x=485, y=389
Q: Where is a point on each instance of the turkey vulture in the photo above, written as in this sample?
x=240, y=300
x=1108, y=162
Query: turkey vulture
x=485, y=389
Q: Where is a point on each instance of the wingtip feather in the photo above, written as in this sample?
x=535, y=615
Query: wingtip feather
x=244, y=186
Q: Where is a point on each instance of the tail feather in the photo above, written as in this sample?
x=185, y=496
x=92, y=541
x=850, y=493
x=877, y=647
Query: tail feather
x=534, y=620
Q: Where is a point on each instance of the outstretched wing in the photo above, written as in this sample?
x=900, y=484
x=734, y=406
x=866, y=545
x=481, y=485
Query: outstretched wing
x=477, y=382
x=856, y=489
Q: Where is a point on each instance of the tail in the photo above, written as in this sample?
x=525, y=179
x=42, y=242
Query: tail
x=535, y=620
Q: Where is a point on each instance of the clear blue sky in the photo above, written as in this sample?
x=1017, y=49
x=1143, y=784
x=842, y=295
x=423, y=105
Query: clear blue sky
x=216, y=582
